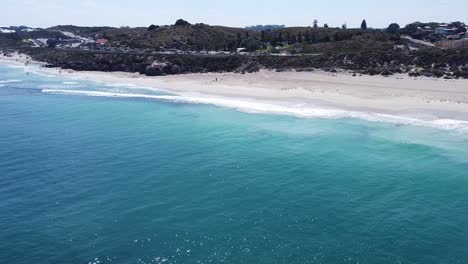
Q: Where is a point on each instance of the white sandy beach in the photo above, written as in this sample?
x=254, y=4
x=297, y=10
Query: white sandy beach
x=400, y=94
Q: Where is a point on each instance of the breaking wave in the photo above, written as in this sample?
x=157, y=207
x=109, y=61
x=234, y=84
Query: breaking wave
x=297, y=110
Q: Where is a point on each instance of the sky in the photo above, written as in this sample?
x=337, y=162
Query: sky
x=238, y=13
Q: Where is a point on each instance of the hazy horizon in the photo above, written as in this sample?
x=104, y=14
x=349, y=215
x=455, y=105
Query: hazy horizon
x=240, y=14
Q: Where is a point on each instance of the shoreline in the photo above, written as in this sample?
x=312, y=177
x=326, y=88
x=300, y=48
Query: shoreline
x=421, y=97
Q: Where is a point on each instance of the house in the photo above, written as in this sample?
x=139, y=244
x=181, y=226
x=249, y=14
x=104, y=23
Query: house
x=64, y=43
x=102, y=41
x=445, y=31
x=426, y=29
x=6, y=31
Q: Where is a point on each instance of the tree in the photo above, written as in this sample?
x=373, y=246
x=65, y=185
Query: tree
x=410, y=28
x=263, y=36
x=461, y=28
x=457, y=24
x=307, y=36
x=280, y=37
x=52, y=43
x=313, y=37
x=344, y=26
x=326, y=25
x=315, y=23
x=393, y=28
x=182, y=22
x=251, y=44
x=232, y=45
x=152, y=27
x=364, y=25
x=238, y=39
x=299, y=37
x=341, y=35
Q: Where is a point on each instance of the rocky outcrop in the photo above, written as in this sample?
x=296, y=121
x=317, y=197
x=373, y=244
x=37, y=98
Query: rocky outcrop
x=163, y=68
x=148, y=64
x=157, y=69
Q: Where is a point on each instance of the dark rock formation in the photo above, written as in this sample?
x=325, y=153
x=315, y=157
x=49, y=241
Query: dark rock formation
x=157, y=69
x=430, y=62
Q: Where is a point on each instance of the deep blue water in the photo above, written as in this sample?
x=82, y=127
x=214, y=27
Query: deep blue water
x=133, y=180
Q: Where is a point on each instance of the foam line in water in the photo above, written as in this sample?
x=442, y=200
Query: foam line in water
x=13, y=66
x=120, y=85
x=297, y=110
x=109, y=94
x=132, y=86
x=10, y=81
x=43, y=74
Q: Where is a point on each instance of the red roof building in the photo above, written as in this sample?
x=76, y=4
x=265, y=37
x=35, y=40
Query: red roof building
x=102, y=41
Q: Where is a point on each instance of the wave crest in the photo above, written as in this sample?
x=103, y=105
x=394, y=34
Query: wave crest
x=297, y=110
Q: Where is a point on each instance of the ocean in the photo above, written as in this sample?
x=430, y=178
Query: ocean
x=92, y=172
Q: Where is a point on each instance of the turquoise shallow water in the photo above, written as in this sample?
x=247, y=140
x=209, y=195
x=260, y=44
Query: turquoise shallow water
x=133, y=180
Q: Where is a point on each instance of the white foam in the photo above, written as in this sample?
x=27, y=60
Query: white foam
x=35, y=71
x=130, y=86
x=2, y=85
x=14, y=66
x=59, y=86
x=120, y=85
x=10, y=81
x=70, y=83
x=297, y=110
